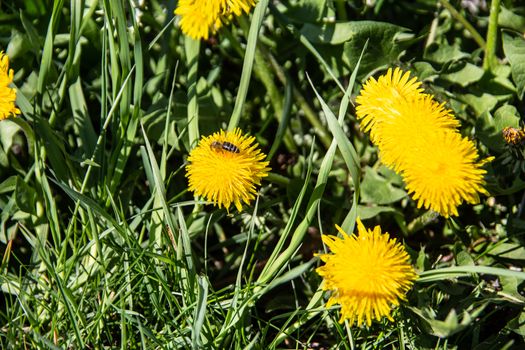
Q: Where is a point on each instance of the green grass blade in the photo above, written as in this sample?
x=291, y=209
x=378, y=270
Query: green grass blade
x=192, y=48
x=349, y=155
x=247, y=66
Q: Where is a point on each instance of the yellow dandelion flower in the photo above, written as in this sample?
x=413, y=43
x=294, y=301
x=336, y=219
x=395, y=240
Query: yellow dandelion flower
x=408, y=125
x=367, y=274
x=225, y=168
x=376, y=97
x=444, y=171
x=7, y=94
x=199, y=18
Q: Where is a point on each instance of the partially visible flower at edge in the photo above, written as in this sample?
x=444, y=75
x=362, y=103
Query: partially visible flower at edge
x=199, y=18
x=367, y=274
x=7, y=94
x=223, y=176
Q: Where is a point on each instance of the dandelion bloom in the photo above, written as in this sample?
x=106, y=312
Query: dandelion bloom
x=444, y=171
x=199, y=18
x=7, y=94
x=418, y=138
x=408, y=126
x=225, y=168
x=367, y=274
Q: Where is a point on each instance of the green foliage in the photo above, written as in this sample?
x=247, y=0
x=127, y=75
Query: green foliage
x=103, y=246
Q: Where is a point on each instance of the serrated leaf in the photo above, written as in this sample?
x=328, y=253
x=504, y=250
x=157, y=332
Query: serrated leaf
x=389, y=41
x=354, y=35
x=341, y=32
x=514, y=48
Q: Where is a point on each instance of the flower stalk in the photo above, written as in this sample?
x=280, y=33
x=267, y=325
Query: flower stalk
x=489, y=60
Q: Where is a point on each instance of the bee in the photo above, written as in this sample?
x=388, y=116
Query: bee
x=227, y=146
x=513, y=136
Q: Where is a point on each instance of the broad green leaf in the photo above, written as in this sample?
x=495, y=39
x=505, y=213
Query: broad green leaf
x=489, y=129
x=480, y=103
x=463, y=74
x=512, y=19
x=511, y=289
x=368, y=212
x=514, y=48
x=424, y=70
x=339, y=33
x=8, y=185
x=375, y=189
x=444, y=53
x=8, y=130
x=385, y=36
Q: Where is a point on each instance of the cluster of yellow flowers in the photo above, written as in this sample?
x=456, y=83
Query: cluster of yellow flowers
x=418, y=138
x=199, y=18
x=7, y=94
x=368, y=273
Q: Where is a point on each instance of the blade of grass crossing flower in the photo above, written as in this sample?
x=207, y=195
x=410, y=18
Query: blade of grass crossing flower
x=192, y=48
x=247, y=66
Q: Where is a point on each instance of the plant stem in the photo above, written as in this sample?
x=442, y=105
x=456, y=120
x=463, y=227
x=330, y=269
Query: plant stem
x=461, y=19
x=492, y=36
